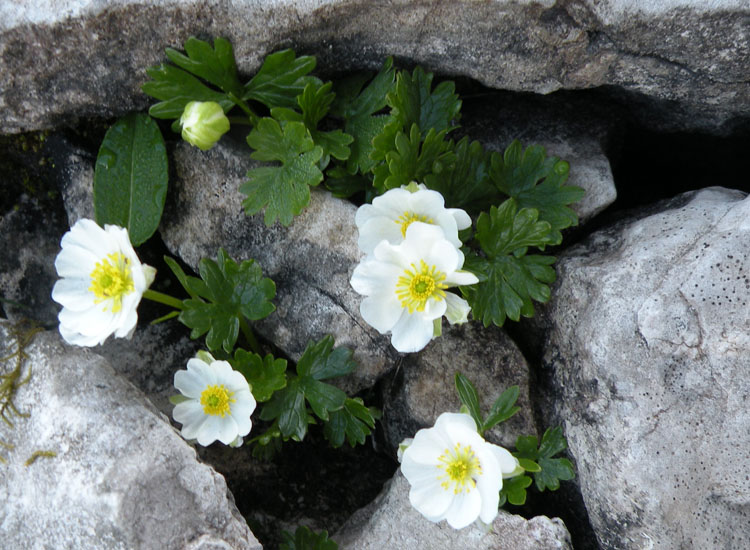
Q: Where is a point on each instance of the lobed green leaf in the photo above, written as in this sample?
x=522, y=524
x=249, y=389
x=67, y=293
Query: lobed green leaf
x=354, y=422
x=264, y=374
x=514, y=490
x=282, y=77
x=467, y=393
x=130, y=177
x=283, y=191
x=215, y=65
x=503, y=408
x=305, y=539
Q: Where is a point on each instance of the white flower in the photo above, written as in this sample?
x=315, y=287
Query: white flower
x=405, y=286
x=391, y=214
x=454, y=473
x=217, y=404
x=101, y=286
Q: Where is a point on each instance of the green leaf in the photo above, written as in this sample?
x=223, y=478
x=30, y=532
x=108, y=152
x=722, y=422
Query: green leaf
x=177, y=399
x=281, y=78
x=469, y=397
x=287, y=407
x=130, y=178
x=176, y=88
x=226, y=292
x=315, y=102
x=503, y=408
x=467, y=183
x=509, y=280
x=514, y=490
x=264, y=374
x=215, y=65
x=358, y=108
x=413, y=101
x=413, y=158
x=305, y=539
x=529, y=465
x=180, y=274
x=551, y=470
x=320, y=361
x=343, y=185
x=282, y=190
x=354, y=422
x=536, y=181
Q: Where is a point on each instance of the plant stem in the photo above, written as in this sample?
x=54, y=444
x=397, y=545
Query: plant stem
x=165, y=299
x=244, y=106
x=247, y=332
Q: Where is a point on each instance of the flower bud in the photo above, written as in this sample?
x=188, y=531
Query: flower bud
x=203, y=123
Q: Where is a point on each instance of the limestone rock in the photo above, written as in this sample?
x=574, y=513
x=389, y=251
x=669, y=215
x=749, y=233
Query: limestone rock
x=423, y=386
x=310, y=261
x=573, y=129
x=647, y=339
x=121, y=478
x=391, y=522
x=31, y=241
x=686, y=59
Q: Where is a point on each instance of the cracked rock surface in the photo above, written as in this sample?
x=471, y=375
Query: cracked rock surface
x=391, y=522
x=121, y=476
x=647, y=337
x=682, y=63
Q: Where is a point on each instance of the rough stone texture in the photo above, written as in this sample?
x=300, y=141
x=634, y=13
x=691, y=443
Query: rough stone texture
x=122, y=477
x=424, y=387
x=647, y=340
x=310, y=261
x=577, y=130
x=27, y=259
x=391, y=522
x=686, y=58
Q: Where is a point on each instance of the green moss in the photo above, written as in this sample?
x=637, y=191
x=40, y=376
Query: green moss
x=22, y=333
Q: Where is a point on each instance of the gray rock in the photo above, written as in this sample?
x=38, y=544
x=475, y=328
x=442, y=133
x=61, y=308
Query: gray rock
x=686, y=58
x=647, y=339
x=121, y=477
x=310, y=261
x=27, y=259
x=423, y=386
x=574, y=130
x=391, y=522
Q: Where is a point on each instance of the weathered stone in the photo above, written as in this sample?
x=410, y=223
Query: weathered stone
x=687, y=58
x=391, y=522
x=424, y=386
x=647, y=338
x=310, y=261
x=31, y=240
x=121, y=477
x=570, y=128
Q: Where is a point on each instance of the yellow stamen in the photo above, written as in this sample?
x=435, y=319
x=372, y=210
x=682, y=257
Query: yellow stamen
x=417, y=285
x=407, y=218
x=216, y=400
x=460, y=467
x=111, y=280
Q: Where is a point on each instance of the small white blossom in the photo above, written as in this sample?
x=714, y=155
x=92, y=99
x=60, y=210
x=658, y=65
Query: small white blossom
x=102, y=282
x=456, y=475
x=404, y=286
x=217, y=402
x=391, y=214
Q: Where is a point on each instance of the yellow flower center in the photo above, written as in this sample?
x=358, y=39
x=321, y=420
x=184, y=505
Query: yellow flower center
x=459, y=467
x=216, y=400
x=408, y=218
x=417, y=285
x=111, y=280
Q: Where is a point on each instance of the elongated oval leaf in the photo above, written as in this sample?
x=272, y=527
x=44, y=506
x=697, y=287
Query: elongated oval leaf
x=130, y=179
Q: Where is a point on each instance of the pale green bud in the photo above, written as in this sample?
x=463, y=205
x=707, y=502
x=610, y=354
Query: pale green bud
x=203, y=123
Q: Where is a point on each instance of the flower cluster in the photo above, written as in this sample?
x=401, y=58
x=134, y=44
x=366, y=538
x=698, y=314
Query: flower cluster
x=455, y=475
x=412, y=255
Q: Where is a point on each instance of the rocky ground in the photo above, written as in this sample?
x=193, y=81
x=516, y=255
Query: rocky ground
x=639, y=355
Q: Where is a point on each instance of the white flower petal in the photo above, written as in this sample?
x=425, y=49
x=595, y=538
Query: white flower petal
x=371, y=277
x=73, y=294
x=464, y=509
x=461, y=278
x=227, y=429
x=434, y=308
x=431, y=499
x=382, y=311
x=189, y=383
x=188, y=413
x=203, y=370
x=457, y=309
x=446, y=420
x=210, y=430
x=411, y=333
x=462, y=218
x=376, y=230
x=444, y=256
x=506, y=461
